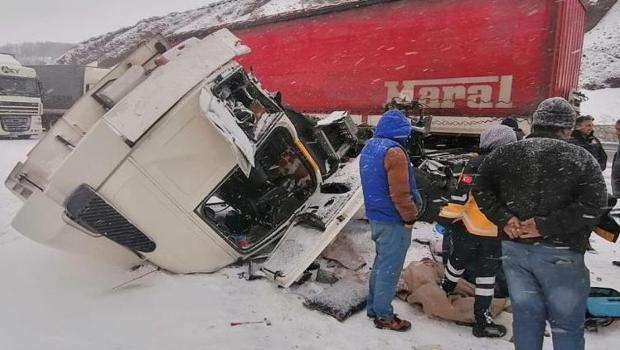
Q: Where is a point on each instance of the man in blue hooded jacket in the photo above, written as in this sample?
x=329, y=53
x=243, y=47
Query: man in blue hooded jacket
x=390, y=198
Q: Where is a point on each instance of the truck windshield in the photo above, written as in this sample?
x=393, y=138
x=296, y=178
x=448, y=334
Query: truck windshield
x=15, y=86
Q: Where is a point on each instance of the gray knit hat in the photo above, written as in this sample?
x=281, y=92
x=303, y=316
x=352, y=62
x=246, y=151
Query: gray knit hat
x=497, y=136
x=555, y=111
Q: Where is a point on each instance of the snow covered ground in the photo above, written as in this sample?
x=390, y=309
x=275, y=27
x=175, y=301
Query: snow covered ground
x=603, y=105
x=601, y=52
x=53, y=301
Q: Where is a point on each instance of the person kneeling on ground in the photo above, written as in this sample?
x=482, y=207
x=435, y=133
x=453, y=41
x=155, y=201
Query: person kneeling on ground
x=475, y=239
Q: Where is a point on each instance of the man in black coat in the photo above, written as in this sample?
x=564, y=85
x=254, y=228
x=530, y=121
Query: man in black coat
x=583, y=136
x=545, y=195
x=615, y=173
x=615, y=166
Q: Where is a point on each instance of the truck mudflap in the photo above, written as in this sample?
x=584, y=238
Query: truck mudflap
x=316, y=225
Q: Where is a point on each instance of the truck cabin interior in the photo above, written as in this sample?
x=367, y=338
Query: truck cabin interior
x=249, y=104
x=255, y=109
x=246, y=210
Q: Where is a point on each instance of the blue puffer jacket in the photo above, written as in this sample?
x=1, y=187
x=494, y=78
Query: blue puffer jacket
x=393, y=130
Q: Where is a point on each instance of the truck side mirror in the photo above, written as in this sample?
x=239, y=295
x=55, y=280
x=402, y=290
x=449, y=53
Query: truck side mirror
x=426, y=123
x=424, y=126
x=41, y=90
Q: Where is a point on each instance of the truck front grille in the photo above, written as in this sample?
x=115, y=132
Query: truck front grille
x=15, y=123
x=19, y=108
x=85, y=207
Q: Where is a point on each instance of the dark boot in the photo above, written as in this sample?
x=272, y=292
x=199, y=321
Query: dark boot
x=485, y=327
x=395, y=324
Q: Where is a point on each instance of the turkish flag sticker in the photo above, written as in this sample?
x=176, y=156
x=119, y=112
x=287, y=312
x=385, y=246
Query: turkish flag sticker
x=467, y=179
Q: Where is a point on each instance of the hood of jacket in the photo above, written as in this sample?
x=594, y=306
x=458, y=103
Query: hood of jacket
x=394, y=125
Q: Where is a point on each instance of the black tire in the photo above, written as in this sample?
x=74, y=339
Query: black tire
x=432, y=195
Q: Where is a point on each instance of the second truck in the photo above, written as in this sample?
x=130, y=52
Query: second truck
x=20, y=100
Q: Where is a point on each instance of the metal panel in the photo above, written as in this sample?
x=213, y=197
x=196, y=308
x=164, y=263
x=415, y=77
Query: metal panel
x=570, y=15
x=319, y=223
x=62, y=84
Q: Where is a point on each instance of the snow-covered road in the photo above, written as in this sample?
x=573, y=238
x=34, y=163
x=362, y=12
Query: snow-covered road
x=53, y=301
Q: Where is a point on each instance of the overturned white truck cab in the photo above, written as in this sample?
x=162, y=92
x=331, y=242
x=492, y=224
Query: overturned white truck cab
x=179, y=157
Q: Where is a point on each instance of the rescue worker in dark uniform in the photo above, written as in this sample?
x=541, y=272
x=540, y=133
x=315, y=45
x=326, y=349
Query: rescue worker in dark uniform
x=475, y=239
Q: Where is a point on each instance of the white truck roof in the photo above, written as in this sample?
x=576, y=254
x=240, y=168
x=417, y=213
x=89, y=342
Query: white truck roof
x=8, y=59
x=10, y=66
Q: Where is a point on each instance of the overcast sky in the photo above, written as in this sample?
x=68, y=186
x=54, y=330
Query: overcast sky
x=77, y=20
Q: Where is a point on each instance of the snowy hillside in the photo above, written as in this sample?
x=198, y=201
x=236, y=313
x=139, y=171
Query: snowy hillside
x=603, y=105
x=600, y=66
x=109, y=48
x=600, y=70
x=31, y=53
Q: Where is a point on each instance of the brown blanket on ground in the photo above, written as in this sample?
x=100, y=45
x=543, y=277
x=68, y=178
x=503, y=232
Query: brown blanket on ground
x=422, y=286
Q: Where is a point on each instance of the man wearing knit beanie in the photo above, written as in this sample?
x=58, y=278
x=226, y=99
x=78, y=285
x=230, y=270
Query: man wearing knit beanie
x=474, y=238
x=545, y=195
x=555, y=112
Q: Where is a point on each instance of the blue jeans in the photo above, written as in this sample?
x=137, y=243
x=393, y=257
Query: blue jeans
x=546, y=283
x=392, y=240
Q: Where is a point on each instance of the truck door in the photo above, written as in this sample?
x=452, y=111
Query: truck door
x=316, y=225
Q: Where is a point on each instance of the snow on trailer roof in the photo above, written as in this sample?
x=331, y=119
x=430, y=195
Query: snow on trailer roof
x=108, y=49
x=278, y=11
x=272, y=11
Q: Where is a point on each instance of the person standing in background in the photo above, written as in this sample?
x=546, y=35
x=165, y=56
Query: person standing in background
x=512, y=123
x=583, y=136
x=615, y=174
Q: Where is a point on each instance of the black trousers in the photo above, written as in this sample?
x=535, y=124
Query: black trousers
x=478, y=254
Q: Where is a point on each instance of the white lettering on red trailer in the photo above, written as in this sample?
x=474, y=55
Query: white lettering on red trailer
x=493, y=91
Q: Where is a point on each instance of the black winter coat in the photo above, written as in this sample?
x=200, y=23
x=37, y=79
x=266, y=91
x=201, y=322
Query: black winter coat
x=615, y=174
x=592, y=144
x=553, y=181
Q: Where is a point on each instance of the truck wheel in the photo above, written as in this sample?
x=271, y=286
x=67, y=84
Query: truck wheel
x=432, y=197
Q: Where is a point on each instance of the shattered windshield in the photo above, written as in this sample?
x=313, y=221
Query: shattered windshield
x=15, y=86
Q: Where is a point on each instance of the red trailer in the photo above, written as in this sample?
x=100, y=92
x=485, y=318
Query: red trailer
x=474, y=58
